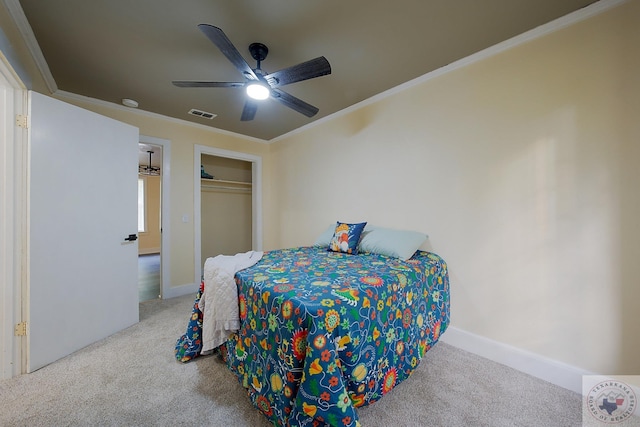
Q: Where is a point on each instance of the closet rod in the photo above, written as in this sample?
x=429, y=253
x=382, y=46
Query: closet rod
x=225, y=189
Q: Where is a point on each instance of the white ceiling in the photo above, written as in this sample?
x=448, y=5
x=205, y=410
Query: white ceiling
x=115, y=49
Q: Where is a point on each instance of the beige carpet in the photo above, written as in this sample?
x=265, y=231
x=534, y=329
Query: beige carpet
x=133, y=379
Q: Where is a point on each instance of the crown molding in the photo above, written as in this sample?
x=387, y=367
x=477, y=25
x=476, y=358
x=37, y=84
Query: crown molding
x=17, y=14
x=538, y=32
x=69, y=96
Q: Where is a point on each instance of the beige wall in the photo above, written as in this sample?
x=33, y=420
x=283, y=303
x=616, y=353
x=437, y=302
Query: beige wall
x=226, y=222
x=149, y=241
x=523, y=170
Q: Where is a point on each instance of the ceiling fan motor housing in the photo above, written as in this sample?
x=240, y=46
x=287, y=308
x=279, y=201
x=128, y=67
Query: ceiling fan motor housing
x=258, y=51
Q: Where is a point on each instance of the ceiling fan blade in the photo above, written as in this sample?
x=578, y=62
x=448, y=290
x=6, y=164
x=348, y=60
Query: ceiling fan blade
x=306, y=70
x=249, y=110
x=218, y=37
x=186, y=83
x=294, y=103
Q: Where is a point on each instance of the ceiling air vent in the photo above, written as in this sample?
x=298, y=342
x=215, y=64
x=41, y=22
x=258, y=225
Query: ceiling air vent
x=202, y=114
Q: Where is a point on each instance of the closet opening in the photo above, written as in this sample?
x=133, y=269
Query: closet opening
x=227, y=204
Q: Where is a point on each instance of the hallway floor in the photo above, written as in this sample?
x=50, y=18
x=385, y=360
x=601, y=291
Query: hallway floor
x=148, y=277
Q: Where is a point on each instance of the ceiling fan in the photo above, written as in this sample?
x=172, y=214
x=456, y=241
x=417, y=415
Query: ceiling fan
x=258, y=84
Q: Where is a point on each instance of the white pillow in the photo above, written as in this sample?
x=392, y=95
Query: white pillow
x=395, y=243
x=325, y=238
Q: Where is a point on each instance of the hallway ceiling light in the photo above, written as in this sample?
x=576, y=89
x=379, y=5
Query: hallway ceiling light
x=149, y=170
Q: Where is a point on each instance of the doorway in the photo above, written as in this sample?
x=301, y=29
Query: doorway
x=154, y=156
x=149, y=220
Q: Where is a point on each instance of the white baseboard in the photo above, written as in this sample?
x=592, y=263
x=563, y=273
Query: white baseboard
x=178, y=291
x=549, y=370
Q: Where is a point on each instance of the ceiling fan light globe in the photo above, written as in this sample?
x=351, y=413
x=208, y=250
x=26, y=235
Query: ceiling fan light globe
x=257, y=91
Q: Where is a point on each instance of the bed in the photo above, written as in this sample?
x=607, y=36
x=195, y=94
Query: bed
x=325, y=332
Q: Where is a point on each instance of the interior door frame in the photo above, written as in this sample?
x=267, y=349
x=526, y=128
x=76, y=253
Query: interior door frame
x=256, y=200
x=13, y=157
x=165, y=211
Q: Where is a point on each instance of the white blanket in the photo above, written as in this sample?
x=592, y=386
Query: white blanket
x=219, y=301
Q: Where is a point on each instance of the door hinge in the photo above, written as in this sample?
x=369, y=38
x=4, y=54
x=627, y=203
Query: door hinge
x=21, y=121
x=20, y=329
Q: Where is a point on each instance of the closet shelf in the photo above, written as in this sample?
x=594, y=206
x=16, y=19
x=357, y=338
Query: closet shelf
x=222, y=184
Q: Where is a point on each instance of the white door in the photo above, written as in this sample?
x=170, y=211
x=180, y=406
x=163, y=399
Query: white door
x=82, y=283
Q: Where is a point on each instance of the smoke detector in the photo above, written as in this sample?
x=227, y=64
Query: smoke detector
x=129, y=103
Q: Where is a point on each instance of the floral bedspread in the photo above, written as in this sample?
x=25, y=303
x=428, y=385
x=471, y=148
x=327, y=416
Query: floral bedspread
x=323, y=333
